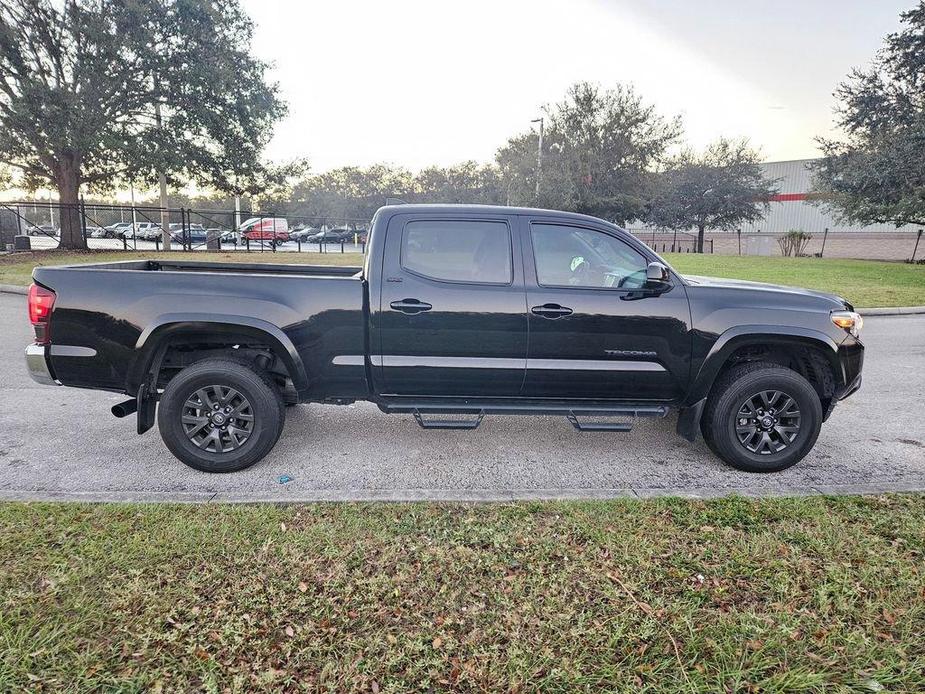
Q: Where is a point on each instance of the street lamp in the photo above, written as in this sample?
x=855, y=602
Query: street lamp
x=539, y=158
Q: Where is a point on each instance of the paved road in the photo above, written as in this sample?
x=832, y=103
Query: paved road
x=63, y=443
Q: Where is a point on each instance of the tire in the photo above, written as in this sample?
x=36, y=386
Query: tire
x=196, y=441
x=732, y=415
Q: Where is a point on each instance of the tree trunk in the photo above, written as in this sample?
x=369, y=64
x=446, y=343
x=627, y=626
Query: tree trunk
x=67, y=179
x=700, y=229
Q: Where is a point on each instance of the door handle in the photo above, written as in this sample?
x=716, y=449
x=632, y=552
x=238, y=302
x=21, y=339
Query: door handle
x=410, y=306
x=551, y=311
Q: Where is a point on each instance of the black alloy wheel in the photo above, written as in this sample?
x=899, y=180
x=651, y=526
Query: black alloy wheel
x=768, y=422
x=217, y=418
x=221, y=415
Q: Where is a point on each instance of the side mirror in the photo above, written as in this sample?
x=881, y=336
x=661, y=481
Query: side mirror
x=656, y=276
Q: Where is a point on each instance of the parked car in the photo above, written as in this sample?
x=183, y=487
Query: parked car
x=97, y=232
x=303, y=234
x=224, y=235
x=119, y=230
x=148, y=230
x=463, y=311
x=43, y=230
x=273, y=229
x=332, y=236
x=195, y=233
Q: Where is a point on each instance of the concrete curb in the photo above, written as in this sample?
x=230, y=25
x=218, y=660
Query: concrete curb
x=888, y=311
x=451, y=495
x=892, y=311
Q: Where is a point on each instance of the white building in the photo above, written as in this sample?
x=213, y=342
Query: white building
x=791, y=209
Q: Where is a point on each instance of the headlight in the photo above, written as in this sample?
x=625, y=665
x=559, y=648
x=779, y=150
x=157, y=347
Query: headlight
x=848, y=320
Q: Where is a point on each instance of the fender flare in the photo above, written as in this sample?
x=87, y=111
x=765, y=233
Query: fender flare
x=745, y=335
x=158, y=333
x=731, y=340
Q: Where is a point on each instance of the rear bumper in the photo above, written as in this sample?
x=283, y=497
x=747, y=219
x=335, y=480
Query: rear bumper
x=37, y=365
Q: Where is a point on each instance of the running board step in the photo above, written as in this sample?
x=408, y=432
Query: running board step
x=466, y=424
x=599, y=425
x=434, y=415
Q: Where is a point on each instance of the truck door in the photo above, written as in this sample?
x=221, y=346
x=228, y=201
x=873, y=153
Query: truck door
x=452, y=318
x=594, y=331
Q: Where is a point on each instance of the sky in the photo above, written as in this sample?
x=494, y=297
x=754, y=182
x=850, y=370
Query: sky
x=418, y=82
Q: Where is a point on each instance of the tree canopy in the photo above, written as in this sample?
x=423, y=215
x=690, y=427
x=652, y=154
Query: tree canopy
x=355, y=193
x=600, y=151
x=876, y=173
x=719, y=188
x=97, y=91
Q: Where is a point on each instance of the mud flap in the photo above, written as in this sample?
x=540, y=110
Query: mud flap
x=147, y=405
x=689, y=420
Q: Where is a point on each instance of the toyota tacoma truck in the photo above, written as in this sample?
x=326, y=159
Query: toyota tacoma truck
x=458, y=311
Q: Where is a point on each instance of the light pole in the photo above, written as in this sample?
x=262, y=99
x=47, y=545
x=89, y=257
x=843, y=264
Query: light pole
x=539, y=158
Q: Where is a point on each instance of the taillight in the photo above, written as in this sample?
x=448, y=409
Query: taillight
x=41, y=301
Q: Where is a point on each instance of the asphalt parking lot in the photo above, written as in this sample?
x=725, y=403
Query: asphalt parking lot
x=62, y=443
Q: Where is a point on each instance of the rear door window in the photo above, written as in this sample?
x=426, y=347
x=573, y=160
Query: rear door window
x=458, y=251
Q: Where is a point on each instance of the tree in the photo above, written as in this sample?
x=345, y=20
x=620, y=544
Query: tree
x=876, y=174
x=97, y=91
x=467, y=182
x=349, y=193
x=600, y=149
x=720, y=188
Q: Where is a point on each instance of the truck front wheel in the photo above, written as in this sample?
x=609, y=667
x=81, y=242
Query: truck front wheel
x=220, y=415
x=761, y=417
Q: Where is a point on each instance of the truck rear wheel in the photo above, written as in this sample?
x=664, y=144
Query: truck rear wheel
x=761, y=417
x=220, y=415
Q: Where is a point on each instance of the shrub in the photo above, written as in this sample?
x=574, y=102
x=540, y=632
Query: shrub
x=794, y=242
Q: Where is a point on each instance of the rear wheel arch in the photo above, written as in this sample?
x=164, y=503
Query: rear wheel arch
x=207, y=338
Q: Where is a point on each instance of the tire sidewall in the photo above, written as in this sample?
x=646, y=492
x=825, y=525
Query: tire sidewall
x=264, y=404
x=725, y=442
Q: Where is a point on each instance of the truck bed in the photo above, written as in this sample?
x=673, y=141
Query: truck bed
x=225, y=268
x=108, y=317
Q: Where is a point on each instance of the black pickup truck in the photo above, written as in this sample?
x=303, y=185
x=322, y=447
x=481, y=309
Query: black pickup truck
x=458, y=311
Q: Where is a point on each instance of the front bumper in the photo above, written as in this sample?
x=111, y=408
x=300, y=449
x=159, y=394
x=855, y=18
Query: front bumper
x=37, y=365
x=851, y=362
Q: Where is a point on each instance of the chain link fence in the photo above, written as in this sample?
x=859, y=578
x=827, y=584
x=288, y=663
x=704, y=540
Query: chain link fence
x=37, y=226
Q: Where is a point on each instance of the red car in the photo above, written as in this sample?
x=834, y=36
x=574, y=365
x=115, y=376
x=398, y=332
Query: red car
x=275, y=229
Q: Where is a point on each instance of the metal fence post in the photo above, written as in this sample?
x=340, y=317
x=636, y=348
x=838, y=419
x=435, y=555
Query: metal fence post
x=739, y=235
x=917, y=238
x=825, y=235
x=82, y=211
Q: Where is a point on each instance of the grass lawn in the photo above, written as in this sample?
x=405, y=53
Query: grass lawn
x=864, y=283
x=816, y=594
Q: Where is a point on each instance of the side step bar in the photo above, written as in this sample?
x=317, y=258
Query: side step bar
x=597, y=425
x=448, y=423
x=425, y=413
